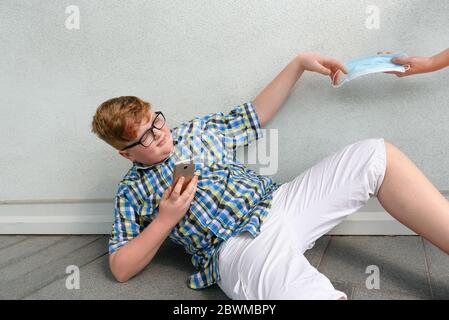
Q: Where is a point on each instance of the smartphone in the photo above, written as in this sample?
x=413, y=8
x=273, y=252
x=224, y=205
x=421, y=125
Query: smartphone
x=185, y=169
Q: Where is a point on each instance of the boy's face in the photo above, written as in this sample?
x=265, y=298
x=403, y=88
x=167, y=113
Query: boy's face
x=157, y=151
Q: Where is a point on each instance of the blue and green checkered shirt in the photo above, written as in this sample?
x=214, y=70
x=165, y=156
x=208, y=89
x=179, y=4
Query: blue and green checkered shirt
x=230, y=198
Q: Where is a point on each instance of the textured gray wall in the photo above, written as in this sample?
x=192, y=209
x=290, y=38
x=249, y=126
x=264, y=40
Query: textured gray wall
x=196, y=57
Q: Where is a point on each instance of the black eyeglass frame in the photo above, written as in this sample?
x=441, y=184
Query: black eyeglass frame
x=146, y=131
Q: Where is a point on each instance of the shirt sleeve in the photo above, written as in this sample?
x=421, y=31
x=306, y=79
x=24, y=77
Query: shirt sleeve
x=125, y=227
x=241, y=124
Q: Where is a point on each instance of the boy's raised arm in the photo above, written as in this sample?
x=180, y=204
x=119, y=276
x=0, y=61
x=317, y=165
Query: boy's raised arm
x=273, y=96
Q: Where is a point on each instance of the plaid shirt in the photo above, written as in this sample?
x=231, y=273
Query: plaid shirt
x=230, y=198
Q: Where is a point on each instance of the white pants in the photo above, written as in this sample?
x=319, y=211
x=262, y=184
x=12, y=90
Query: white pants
x=272, y=265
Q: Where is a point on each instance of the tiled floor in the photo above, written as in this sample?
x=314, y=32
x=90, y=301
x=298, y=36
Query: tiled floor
x=34, y=267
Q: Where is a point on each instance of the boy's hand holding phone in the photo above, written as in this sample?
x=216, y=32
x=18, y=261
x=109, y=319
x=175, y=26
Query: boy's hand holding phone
x=184, y=169
x=174, y=203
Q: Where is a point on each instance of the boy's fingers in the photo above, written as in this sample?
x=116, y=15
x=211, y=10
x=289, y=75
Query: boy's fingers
x=194, y=179
x=178, y=186
x=321, y=69
x=192, y=195
x=335, y=77
x=191, y=186
x=338, y=65
x=167, y=192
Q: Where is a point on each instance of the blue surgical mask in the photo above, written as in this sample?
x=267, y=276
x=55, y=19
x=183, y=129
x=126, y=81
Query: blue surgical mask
x=367, y=65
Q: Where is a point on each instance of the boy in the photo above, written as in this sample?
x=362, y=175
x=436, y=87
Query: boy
x=225, y=199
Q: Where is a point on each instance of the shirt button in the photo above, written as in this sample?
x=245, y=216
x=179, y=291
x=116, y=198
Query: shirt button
x=221, y=231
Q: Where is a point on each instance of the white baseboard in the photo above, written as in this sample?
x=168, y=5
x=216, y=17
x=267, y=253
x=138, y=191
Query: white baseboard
x=96, y=217
x=57, y=217
x=371, y=223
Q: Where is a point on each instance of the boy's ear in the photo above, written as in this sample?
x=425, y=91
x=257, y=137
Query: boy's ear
x=126, y=155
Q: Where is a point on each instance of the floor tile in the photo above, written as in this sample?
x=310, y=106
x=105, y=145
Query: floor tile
x=400, y=261
x=25, y=276
x=438, y=262
x=362, y=293
x=9, y=240
x=315, y=254
x=164, y=278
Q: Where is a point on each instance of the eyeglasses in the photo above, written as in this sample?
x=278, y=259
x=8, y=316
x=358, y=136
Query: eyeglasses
x=147, y=137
